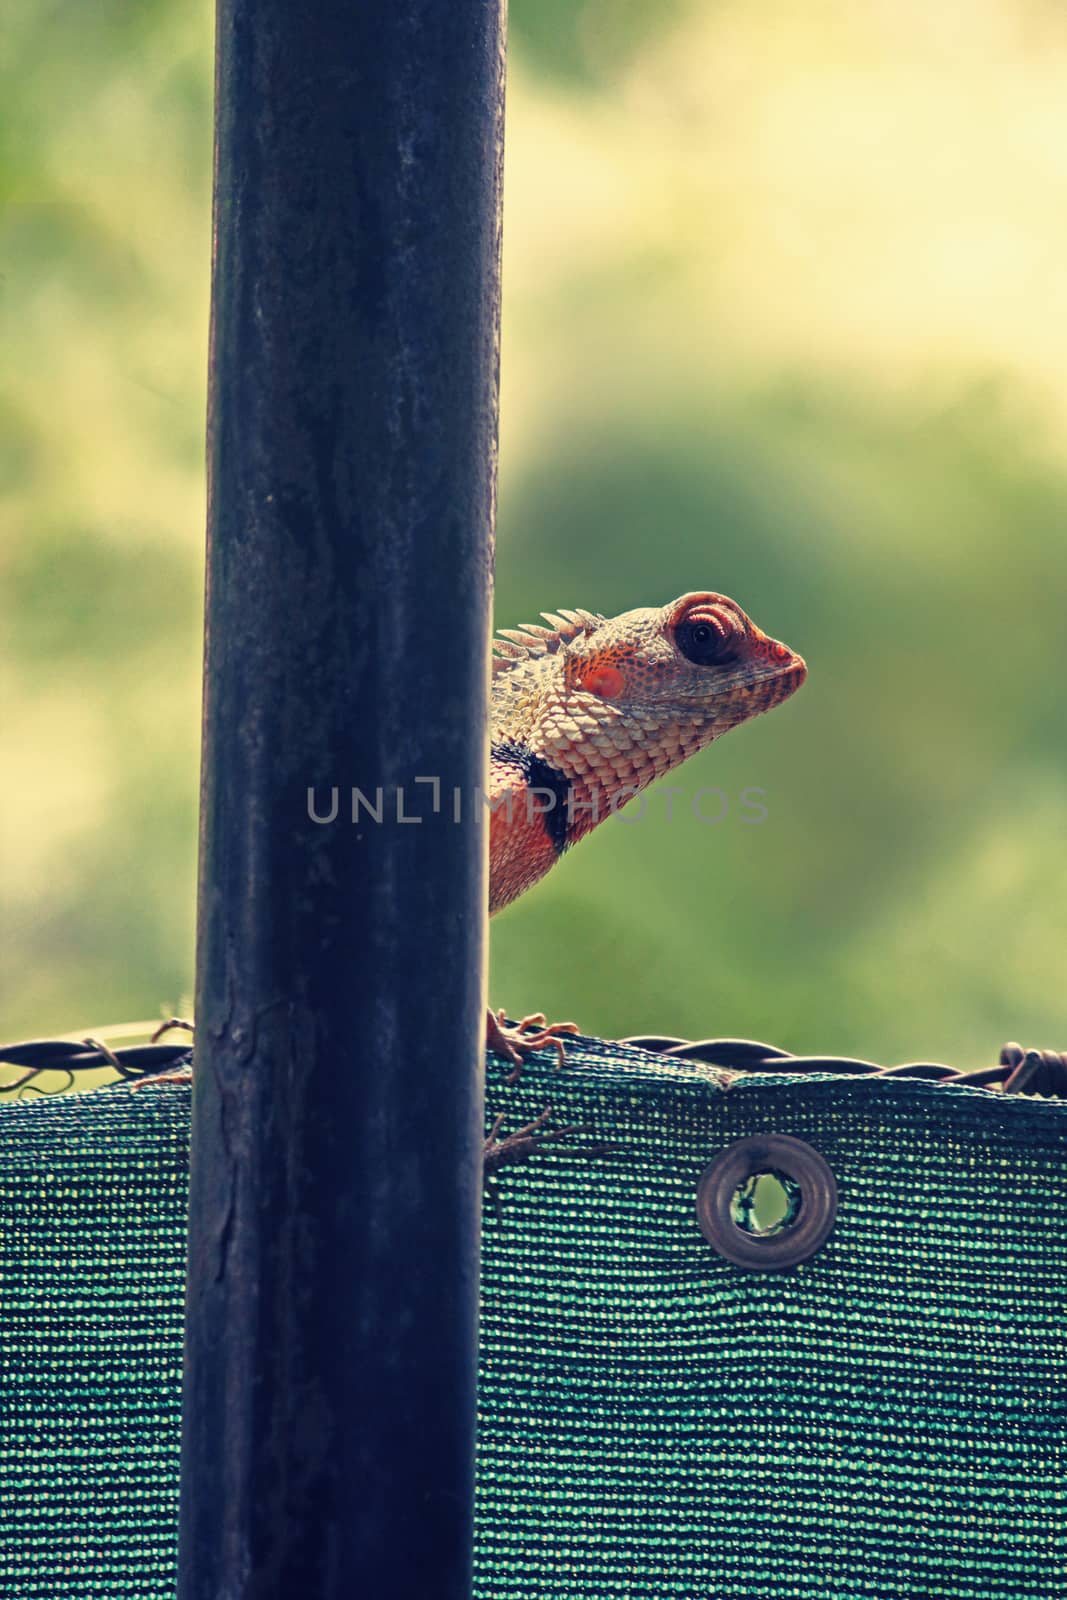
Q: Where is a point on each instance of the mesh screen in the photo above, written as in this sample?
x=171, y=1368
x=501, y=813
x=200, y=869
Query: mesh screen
x=92, y=1246
x=887, y=1419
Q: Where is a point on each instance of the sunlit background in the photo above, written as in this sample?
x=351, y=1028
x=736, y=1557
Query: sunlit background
x=785, y=316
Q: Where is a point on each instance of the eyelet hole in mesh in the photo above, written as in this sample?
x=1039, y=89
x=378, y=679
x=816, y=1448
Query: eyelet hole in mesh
x=765, y=1204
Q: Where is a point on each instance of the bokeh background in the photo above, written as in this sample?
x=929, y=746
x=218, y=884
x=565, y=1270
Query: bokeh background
x=785, y=316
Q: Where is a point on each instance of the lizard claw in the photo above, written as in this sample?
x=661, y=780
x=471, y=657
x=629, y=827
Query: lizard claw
x=179, y=1075
x=525, y=1142
x=515, y=1041
x=520, y=1145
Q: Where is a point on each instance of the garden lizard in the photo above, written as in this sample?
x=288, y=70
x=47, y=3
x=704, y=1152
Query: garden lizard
x=585, y=713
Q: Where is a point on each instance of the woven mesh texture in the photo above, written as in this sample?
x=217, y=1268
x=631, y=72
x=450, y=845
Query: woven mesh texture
x=888, y=1419
x=92, y=1264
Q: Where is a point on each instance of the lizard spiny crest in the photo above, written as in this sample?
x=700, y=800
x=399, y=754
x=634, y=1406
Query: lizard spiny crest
x=531, y=640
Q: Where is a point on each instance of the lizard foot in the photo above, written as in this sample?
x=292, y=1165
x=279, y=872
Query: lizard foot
x=515, y=1148
x=515, y=1041
x=179, y=1075
x=522, y=1144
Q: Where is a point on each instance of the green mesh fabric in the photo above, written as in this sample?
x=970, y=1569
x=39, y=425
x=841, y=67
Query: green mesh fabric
x=92, y=1245
x=887, y=1420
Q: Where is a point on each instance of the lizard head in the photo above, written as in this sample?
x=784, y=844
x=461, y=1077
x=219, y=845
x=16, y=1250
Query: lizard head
x=699, y=658
x=619, y=701
x=589, y=710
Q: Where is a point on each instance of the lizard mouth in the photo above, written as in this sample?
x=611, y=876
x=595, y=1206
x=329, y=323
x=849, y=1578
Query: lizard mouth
x=779, y=683
x=771, y=681
x=770, y=684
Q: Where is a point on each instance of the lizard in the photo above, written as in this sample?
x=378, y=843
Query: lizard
x=586, y=712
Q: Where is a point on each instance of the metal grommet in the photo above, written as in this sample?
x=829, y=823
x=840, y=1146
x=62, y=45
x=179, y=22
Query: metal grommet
x=805, y=1174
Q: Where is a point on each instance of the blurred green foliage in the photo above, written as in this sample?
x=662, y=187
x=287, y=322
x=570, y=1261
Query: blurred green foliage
x=785, y=317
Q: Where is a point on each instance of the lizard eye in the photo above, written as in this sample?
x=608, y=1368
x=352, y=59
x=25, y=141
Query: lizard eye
x=706, y=641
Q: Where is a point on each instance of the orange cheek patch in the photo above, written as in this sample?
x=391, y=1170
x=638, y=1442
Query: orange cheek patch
x=605, y=682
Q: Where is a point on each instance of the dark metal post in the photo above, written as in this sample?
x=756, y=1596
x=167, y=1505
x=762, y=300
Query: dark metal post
x=331, y=1336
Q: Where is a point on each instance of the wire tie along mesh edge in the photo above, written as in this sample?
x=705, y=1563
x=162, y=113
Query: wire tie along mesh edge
x=71, y=1056
x=1018, y=1071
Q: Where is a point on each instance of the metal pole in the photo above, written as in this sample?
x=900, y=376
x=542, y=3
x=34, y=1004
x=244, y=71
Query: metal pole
x=331, y=1318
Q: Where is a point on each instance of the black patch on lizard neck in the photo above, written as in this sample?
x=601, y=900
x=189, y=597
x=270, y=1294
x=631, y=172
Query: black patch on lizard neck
x=537, y=774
